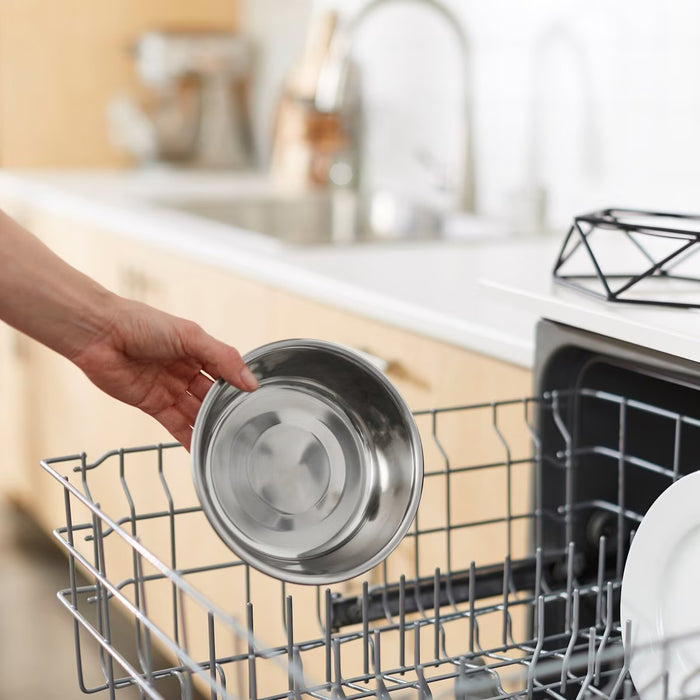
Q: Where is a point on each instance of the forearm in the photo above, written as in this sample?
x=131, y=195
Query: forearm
x=44, y=297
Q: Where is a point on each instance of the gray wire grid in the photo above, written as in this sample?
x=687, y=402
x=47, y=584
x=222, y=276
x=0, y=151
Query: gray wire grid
x=489, y=595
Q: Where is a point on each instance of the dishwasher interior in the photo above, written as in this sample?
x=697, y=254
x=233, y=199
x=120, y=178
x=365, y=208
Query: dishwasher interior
x=507, y=585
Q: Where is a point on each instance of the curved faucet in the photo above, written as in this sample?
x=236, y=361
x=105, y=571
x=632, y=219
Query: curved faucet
x=334, y=79
x=553, y=36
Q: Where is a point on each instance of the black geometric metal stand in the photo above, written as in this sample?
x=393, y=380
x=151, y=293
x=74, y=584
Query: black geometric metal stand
x=637, y=227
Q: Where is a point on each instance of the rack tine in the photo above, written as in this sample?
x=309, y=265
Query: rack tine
x=402, y=622
x=291, y=657
x=424, y=692
x=461, y=683
x=436, y=609
x=601, y=575
x=171, y=524
x=569, y=586
x=252, y=676
x=212, y=654
x=365, y=628
x=506, y=598
x=416, y=644
x=285, y=606
x=591, y=659
x=538, y=572
x=472, y=609
x=337, y=692
x=625, y=666
x=381, y=692
x=385, y=599
x=103, y=605
x=83, y=469
x=143, y=654
x=73, y=585
x=186, y=676
x=606, y=632
x=298, y=674
x=539, y=613
x=327, y=636
x=572, y=643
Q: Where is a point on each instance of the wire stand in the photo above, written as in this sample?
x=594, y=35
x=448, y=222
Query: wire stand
x=659, y=247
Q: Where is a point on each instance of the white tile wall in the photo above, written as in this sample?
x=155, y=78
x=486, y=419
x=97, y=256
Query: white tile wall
x=597, y=101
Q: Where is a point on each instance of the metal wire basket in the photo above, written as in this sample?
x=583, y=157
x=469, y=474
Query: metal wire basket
x=495, y=592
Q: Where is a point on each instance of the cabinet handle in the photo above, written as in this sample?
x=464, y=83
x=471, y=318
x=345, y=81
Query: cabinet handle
x=379, y=362
x=136, y=283
x=393, y=369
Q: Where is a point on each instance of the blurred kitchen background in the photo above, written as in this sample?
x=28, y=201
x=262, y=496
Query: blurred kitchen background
x=524, y=113
x=571, y=105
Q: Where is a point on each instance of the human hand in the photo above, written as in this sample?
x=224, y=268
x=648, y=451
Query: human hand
x=159, y=363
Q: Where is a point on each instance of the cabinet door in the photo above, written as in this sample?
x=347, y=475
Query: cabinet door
x=427, y=372
x=231, y=308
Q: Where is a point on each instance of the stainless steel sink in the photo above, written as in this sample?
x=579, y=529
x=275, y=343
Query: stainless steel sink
x=310, y=219
x=298, y=221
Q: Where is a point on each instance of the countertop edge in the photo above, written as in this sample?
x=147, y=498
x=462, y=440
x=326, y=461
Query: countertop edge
x=260, y=260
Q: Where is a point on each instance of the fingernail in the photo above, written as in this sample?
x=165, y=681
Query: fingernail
x=248, y=379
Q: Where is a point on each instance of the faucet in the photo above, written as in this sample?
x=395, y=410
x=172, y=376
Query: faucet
x=533, y=211
x=336, y=92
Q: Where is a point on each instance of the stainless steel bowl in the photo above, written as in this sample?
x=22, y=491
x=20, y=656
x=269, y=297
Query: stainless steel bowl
x=316, y=476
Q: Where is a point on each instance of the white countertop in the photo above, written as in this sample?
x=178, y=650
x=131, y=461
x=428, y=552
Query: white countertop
x=431, y=288
x=482, y=294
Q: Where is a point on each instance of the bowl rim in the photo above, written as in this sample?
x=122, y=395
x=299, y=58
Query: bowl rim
x=223, y=526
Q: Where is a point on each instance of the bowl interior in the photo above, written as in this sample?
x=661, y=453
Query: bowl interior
x=316, y=476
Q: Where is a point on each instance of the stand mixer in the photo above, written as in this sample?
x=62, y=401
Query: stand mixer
x=196, y=111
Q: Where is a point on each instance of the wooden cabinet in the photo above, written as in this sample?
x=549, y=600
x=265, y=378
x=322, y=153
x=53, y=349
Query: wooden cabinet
x=62, y=62
x=427, y=372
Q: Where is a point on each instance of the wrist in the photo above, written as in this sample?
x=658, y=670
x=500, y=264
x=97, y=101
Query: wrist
x=91, y=326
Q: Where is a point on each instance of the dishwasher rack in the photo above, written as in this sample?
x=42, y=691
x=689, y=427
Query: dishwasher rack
x=493, y=593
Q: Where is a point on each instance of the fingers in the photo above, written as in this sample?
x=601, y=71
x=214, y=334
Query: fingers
x=200, y=385
x=188, y=406
x=177, y=424
x=219, y=359
x=227, y=363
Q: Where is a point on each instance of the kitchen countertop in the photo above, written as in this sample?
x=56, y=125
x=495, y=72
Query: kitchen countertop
x=483, y=293
x=431, y=288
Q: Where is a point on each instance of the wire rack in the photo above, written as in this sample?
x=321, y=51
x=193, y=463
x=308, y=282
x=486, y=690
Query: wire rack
x=622, y=255
x=493, y=593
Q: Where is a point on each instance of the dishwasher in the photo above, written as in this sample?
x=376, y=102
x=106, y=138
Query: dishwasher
x=554, y=494
x=507, y=585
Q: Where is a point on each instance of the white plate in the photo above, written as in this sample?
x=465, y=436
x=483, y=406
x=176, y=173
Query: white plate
x=661, y=594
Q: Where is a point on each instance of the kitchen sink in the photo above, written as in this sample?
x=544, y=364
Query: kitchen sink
x=298, y=221
x=312, y=219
